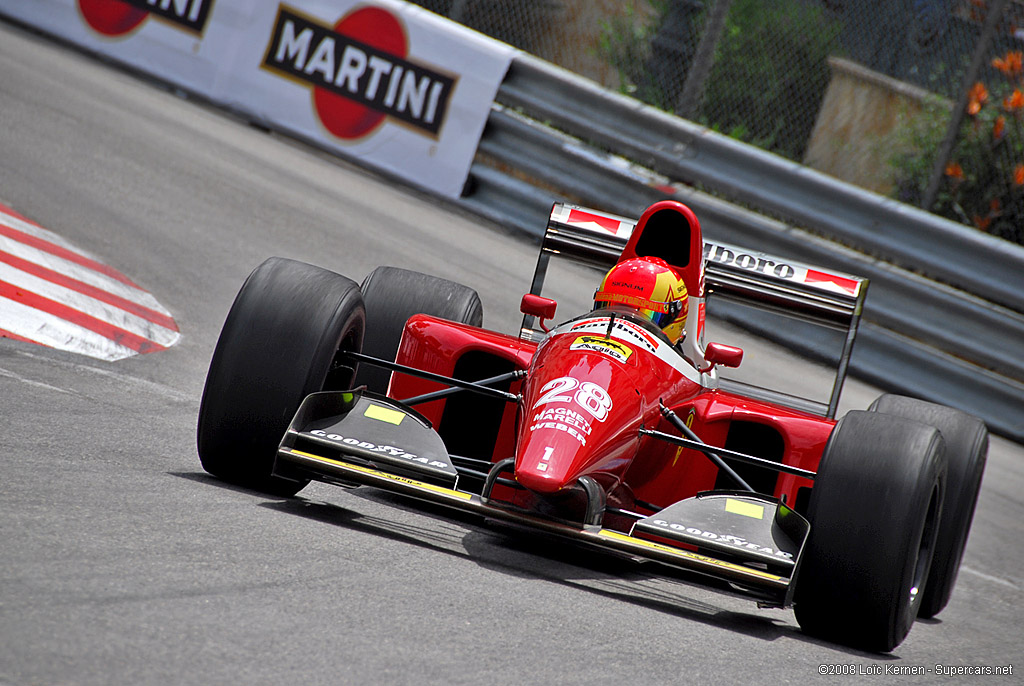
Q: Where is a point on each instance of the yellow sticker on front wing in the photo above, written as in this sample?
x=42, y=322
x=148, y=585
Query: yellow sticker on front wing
x=741, y=507
x=384, y=414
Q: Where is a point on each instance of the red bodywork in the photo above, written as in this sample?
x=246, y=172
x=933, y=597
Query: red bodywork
x=585, y=398
x=592, y=385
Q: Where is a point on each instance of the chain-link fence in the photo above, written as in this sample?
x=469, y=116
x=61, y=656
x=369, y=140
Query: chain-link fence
x=919, y=99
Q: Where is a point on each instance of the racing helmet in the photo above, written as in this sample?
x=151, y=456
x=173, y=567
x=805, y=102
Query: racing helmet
x=650, y=288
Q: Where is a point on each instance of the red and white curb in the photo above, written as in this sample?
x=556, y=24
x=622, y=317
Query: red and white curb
x=54, y=294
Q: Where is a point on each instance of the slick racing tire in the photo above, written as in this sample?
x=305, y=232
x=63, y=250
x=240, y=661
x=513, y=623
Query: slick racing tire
x=966, y=440
x=392, y=295
x=280, y=343
x=874, y=514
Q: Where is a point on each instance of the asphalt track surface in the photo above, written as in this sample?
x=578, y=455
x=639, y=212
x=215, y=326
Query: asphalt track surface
x=122, y=562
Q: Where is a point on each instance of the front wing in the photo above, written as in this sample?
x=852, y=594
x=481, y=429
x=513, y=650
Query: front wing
x=361, y=438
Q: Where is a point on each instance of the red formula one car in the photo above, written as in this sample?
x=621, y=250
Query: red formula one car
x=613, y=428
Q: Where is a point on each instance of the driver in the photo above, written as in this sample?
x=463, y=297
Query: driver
x=648, y=287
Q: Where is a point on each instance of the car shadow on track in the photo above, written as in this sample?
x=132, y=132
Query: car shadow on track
x=526, y=554
x=523, y=553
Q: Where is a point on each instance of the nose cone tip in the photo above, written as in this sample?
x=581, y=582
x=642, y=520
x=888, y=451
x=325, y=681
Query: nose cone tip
x=539, y=481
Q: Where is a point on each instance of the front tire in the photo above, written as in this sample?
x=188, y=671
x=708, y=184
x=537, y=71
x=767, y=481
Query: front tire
x=280, y=342
x=392, y=295
x=874, y=514
x=966, y=440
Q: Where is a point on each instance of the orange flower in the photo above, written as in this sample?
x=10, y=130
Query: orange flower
x=998, y=127
x=994, y=206
x=1011, y=65
x=954, y=170
x=978, y=95
x=982, y=222
x=1015, y=101
x=1018, y=175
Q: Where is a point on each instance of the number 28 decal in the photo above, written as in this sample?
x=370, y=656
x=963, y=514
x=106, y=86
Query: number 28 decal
x=588, y=395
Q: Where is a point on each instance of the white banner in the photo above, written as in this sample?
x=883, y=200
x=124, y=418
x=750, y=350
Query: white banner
x=385, y=83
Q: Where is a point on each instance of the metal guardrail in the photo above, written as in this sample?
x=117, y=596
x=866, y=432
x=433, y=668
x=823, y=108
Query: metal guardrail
x=974, y=261
x=922, y=334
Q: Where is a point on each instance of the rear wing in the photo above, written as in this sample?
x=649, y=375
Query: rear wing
x=816, y=295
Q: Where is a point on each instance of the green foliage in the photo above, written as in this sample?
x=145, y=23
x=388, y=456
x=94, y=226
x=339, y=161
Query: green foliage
x=624, y=43
x=983, y=183
x=769, y=75
x=913, y=147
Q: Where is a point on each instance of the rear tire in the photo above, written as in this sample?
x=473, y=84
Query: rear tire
x=874, y=514
x=280, y=342
x=966, y=440
x=392, y=295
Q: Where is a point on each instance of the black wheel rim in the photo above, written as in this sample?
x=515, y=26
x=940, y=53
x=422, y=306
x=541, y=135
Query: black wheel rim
x=926, y=548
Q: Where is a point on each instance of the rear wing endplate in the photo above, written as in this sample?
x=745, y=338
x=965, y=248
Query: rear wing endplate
x=817, y=295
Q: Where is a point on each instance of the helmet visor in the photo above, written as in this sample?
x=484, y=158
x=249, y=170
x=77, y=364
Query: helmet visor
x=661, y=314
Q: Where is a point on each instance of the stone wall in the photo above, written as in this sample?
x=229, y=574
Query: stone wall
x=853, y=134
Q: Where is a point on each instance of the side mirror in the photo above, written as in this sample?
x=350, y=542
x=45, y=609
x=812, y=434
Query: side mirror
x=540, y=307
x=722, y=354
